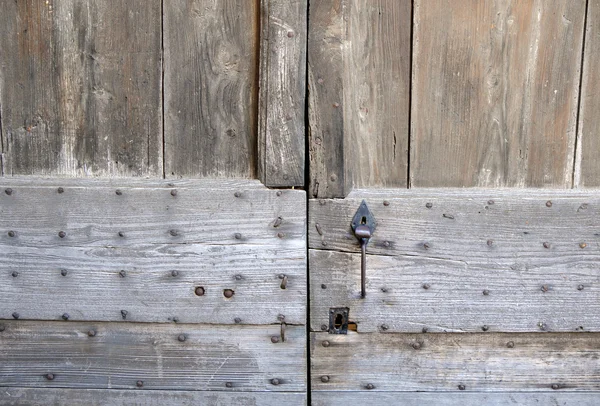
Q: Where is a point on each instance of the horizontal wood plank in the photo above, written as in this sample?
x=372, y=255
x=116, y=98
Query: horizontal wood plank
x=453, y=362
x=488, y=259
x=110, y=397
x=334, y=398
x=147, y=250
x=152, y=356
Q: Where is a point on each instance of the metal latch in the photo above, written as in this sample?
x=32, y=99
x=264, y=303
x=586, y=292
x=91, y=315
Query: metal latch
x=363, y=226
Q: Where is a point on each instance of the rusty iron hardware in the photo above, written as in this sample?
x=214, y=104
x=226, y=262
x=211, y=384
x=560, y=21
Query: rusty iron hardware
x=338, y=320
x=363, y=226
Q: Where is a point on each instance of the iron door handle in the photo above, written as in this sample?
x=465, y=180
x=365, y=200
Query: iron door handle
x=363, y=226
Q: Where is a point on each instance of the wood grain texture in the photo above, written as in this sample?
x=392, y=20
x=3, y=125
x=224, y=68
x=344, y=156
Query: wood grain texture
x=468, y=242
x=368, y=398
x=221, y=242
x=210, y=80
x=587, y=168
x=359, y=75
x=80, y=85
x=281, y=140
x=495, y=92
x=480, y=362
x=120, y=355
x=110, y=397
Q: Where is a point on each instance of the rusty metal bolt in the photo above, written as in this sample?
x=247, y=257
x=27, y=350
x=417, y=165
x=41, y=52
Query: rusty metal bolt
x=279, y=193
x=11, y=233
x=8, y=191
x=174, y=273
x=426, y=286
x=490, y=243
x=60, y=190
x=118, y=192
x=486, y=292
x=386, y=203
x=139, y=384
x=549, y=203
x=124, y=314
x=15, y=315
x=237, y=236
x=582, y=245
x=324, y=327
x=237, y=194
x=228, y=293
x=325, y=379
x=91, y=333
x=429, y=205
x=15, y=274
x=49, y=377
x=121, y=234
x=237, y=320
x=228, y=385
x=485, y=327
x=416, y=345
x=370, y=386
x=274, y=339
x=546, y=245
x=173, y=233
x=510, y=344
x=181, y=337
x=62, y=234
x=555, y=386
x=545, y=288
x=65, y=316
x=384, y=327
x=275, y=381
x=580, y=287
x=64, y=272
x=199, y=291
x=325, y=343
x=461, y=387
x=174, y=192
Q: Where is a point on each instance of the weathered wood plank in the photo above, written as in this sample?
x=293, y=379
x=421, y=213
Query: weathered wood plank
x=281, y=140
x=333, y=398
x=495, y=90
x=103, y=397
x=442, y=362
x=506, y=259
x=221, y=242
x=117, y=356
x=359, y=75
x=210, y=80
x=587, y=169
x=80, y=85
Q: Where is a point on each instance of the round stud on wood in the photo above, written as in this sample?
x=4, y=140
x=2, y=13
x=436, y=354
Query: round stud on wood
x=173, y=233
x=91, y=333
x=279, y=193
x=555, y=386
x=549, y=203
x=65, y=316
x=546, y=245
x=199, y=291
x=228, y=293
x=333, y=177
x=60, y=190
x=510, y=344
x=545, y=288
x=237, y=320
x=139, y=384
x=174, y=192
x=11, y=233
x=384, y=290
x=323, y=286
x=543, y=326
x=237, y=236
x=121, y=234
x=490, y=243
x=122, y=273
x=386, y=244
x=424, y=330
x=416, y=345
x=582, y=245
x=429, y=205
x=485, y=328
x=280, y=235
x=118, y=192
x=462, y=387
x=8, y=191
x=426, y=246
x=281, y=318
x=237, y=194
x=228, y=385
x=274, y=339
x=486, y=292
x=238, y=277
x=580, y=287
x=50, y=377
x=15, y=274
x=2, y=328
x=124, y=314
x=291, y=34
x=62, y=234
x=175, y=319
x=16, y=316
x=325, y=378
x=370, y=386
x=426, y=286
x=174, y=273
x=181, y=337
x=386, y=203
x=490, y=202
x=275, y=381
x=64, y=272
x=324, y=327
x=384, y=327
x=325, y=343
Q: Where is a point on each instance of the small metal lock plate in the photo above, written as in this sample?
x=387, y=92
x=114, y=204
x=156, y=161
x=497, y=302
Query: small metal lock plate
x=338, y=320
x=363, y=217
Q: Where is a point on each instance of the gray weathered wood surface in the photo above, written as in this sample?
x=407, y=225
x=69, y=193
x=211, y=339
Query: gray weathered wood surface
x=343, y=398
x=80, y=86
x=111, y=397
x=210, y=82
x=587, y=169
x=468, y=242
x=222, y=242
x=281, y=133
x=495, y=92
x=359, y=78
x=481, y=362
x=119, y=356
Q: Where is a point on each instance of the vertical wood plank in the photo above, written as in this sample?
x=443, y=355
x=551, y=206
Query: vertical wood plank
x=80, y=85
x=495, y=89
x=281, y=146
x=211, y=56
x=587, y=169
x=359, y=75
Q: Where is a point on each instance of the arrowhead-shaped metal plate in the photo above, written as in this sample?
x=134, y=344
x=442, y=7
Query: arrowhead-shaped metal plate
x=364, y=216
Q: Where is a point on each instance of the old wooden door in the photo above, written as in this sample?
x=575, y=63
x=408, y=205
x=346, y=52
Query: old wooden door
x=470, y=129
x=153, y=246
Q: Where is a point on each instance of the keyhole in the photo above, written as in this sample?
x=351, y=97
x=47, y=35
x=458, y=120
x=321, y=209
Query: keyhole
x=363, y=220
x=339, y=320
